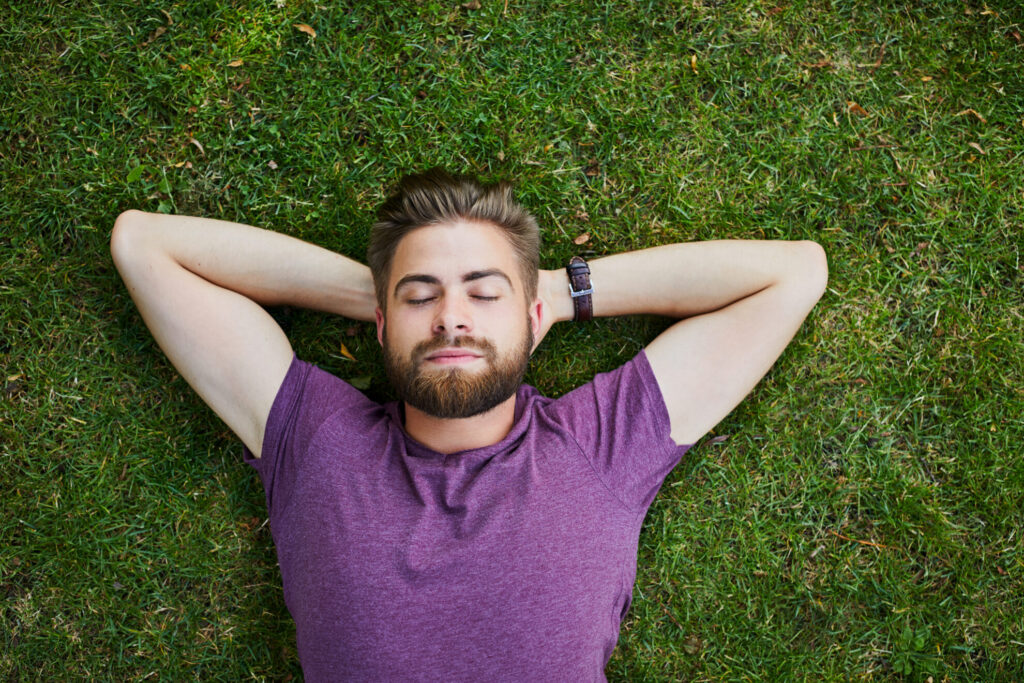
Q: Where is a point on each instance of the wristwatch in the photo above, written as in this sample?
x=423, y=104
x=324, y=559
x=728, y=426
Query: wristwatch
x=580, y=289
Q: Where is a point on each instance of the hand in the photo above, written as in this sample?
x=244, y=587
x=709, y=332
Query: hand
x=555, y=302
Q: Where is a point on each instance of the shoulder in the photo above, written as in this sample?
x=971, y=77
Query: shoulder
x=309, y=397
x=616, y=400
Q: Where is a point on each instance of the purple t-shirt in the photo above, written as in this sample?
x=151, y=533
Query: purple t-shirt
x=511, y=562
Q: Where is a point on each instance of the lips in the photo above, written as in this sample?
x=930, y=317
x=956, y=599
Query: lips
x=452, y=355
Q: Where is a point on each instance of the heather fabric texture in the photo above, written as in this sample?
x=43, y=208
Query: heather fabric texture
x=512, y=562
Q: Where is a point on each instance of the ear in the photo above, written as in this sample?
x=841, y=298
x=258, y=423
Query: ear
x=380, y=325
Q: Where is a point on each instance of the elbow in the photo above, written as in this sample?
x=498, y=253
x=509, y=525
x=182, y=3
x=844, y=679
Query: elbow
x=812, y=264
x=125, y=235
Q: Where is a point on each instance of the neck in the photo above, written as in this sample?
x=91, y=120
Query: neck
x=461, y=434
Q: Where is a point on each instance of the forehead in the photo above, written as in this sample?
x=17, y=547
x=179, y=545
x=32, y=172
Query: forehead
x=449, y=250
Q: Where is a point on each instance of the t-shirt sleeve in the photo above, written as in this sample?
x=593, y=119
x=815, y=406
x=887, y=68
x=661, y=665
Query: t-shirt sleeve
x=621, y=424
x=308, y=397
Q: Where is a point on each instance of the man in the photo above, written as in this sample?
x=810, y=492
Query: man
x=474, y=530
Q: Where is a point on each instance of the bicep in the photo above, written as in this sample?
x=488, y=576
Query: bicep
x=224, y=345
x=707, y=364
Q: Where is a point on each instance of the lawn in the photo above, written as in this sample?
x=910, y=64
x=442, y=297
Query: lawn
x=859, y=516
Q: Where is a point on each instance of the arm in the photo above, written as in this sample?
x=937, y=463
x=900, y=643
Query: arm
x=199, y=283
x=742, y=301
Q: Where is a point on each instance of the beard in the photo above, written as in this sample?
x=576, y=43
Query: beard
x=451, y=393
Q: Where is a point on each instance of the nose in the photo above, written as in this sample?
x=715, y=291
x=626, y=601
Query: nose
x=453, y=317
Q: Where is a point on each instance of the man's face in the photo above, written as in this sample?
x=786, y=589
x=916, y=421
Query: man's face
x=458, y=332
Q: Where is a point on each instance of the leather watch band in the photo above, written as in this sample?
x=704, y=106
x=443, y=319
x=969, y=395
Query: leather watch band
x=580, y=289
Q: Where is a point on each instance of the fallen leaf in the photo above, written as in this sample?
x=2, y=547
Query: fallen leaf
x=307, y=29
x=345, y=352
x=971, y=111
x=582, y=215
x=236, y=63
x=179, y=164
x=501, y=156
x=1016, y=35
x=1002, y=572
x=472, y=4
x=926, y=78
x=718, y=439
x=198, y=145
x=362, y=382
x=14, y=378
x=582, y=239
x=154, y=35
x=170, y=22
x=856, y=108
x=692, y=645
x=817, y=65
x=693, y=63
x=272, y=164
x=976, y=146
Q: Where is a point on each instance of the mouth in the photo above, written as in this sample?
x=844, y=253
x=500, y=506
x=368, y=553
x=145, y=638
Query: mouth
x=452, y=356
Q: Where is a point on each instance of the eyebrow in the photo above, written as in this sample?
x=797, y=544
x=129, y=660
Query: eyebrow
x=468, y=277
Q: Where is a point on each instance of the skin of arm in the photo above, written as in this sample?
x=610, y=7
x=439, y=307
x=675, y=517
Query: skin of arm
x=199, y=284
x=741, y=302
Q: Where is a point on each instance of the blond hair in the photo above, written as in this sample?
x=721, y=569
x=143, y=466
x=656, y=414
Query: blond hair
x=436, y=196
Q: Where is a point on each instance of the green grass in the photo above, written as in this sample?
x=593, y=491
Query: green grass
x=860, y=519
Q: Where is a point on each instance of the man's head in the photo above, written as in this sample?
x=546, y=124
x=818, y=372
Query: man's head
x=455, y=271
x=436, y=197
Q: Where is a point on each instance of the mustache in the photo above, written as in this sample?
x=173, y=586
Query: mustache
x=425, y=348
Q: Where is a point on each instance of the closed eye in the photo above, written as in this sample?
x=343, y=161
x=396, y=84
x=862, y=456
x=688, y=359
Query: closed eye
x=418, y=302
x=485, y=298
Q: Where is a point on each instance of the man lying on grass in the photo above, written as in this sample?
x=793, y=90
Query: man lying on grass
x=474, y=530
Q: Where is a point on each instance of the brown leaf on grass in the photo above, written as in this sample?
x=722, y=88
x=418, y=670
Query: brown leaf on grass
x=170, y=22
x=775, y=10
x=154, y=35
x=472, y=4
x=817, y=65
x=346, y=353
x=307, y=29
x=971, y=111
x=693, y=645
x=582, y=239
x=856, y=108
x=198, y=145
x=272, y=165
x=693, y=63
x=1016, y=35
x=976, y=146
x=236, y=63
x=718, y=439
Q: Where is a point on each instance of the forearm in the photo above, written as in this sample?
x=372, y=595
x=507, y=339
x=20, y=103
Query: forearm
x=265, y=266
x=682, y=280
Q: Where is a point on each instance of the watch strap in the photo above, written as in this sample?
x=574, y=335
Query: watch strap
x=581, y=289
